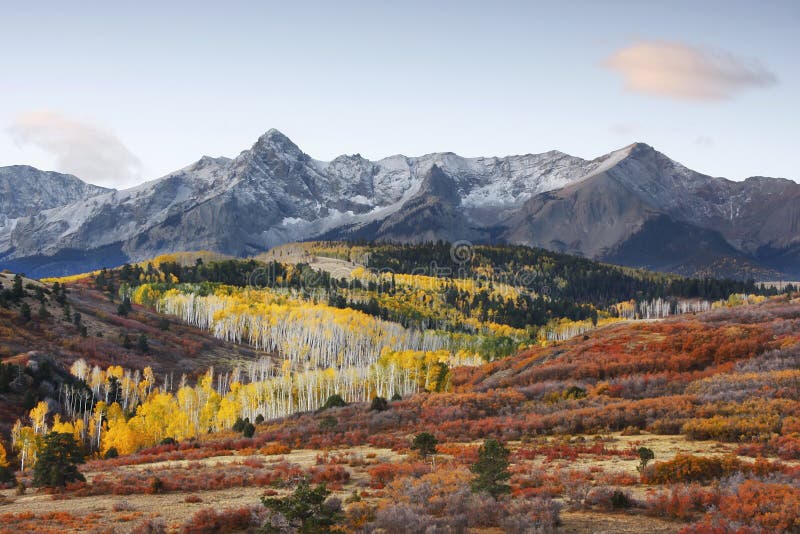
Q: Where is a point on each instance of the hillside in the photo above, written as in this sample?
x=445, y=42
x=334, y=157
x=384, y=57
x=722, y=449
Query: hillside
x=84, y=323
x=714, y=396
x=158, y=368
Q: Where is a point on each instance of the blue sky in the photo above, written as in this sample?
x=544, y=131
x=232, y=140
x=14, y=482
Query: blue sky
x=118, y=94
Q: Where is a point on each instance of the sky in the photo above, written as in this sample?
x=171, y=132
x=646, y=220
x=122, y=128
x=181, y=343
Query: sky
x=122, y=92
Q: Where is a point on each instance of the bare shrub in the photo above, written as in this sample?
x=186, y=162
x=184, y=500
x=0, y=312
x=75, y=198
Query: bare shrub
x=537, y=515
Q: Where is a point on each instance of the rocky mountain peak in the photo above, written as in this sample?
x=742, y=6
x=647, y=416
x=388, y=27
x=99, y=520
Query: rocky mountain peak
x=275, y=140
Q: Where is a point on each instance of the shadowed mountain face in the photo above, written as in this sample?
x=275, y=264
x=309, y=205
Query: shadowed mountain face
x=634, y=206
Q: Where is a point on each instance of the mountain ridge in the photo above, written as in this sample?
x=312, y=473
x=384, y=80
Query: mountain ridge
x=273, y=193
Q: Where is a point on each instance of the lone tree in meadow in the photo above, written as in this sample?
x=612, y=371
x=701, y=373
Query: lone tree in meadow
x=645, y=455
x=56, y=463
x=425, y=444
x=491, y=469
x=307, y=510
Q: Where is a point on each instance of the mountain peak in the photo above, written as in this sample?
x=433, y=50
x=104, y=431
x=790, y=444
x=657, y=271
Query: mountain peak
x=275, y=141
x=275, y=137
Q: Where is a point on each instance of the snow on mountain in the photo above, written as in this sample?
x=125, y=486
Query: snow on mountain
x=273, y=193
x=25, y=191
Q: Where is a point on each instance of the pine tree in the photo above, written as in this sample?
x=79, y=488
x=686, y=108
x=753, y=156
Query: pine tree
x=491, y=469
x=56, y=462
x=17, y=292
x=25, y=312
x=141, y=343
x=425, y=444
x=308, y=510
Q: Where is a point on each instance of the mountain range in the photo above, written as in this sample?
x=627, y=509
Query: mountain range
x=634, y=206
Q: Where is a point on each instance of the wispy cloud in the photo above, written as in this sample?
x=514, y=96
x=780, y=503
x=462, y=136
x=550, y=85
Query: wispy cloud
x=704, y=141
x=86, y=150
x=678, y=70
x=624, y=129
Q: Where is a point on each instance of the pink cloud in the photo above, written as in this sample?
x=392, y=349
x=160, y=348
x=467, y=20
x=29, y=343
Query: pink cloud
x=677, y=70
x=86, y=150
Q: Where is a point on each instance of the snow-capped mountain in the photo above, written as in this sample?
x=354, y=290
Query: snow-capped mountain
x=25, y=191
x=273, y=193
x=642, y=208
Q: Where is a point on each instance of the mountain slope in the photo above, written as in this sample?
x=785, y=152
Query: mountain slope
x=640, y=192
x=25, y=190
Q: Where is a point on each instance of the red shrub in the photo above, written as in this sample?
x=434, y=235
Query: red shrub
x=381, y=474
x=212, y=521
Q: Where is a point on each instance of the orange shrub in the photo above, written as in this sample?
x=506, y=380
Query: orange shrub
x=274, y=448
x=684, y=468
x=773, y=507
x=212, y=521
x=682, y=501
x=332, y=475
x=382, y=474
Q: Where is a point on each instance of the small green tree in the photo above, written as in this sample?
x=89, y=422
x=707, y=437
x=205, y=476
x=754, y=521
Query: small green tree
x=17, y=292
x=645, y=455
x=425, y=444
x=239, y=424
x=25, y=312
x=141, y=343
x=491, y=469
x=249, y=430
x=125, y=307
x=308, y=510
x=56, y=462
x=379, y=404
x=334, y=401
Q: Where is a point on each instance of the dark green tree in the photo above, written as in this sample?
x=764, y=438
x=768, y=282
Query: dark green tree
x=491, y=469
x=249, y=430
x=17, y=292
x=141, y=343
x=379, y=404
x=308, y=510
x=645, y=455
x=125, y=307
x=29, y=399
x=425, y=444
x=334, y=401
x=239, y=424
x=25, y=312
x=57, y=461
